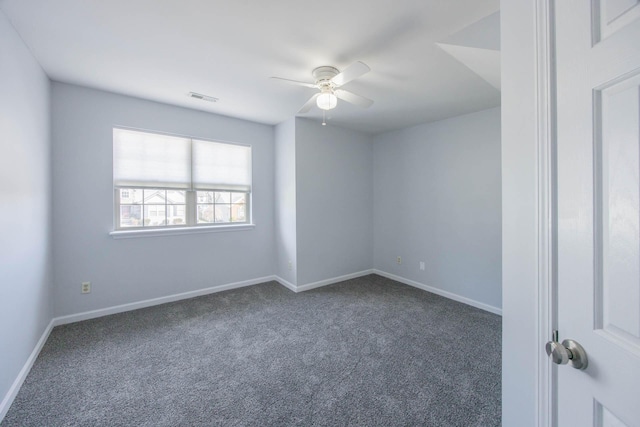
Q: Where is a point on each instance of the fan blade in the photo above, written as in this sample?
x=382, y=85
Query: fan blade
x=310, y=103
x=351, y=97
x=295, y=82
x=353, y=71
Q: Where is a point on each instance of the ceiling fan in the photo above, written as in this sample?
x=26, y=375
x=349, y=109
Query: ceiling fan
x=328, y=80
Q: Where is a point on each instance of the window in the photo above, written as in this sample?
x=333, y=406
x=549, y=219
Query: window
x=168, y=181
x=218, y=206
x=152, y=207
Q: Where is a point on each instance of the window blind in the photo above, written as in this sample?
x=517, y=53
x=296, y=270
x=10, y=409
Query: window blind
x=220, y=166
x=147, y=160
x=143, y=159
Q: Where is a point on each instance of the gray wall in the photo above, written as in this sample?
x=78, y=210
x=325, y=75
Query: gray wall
x=437, y=199
x=334, y=199
x=131, y=270
x=285, y=201
x=25, y=217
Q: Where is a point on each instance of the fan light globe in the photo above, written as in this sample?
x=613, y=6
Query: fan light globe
x=327, y=101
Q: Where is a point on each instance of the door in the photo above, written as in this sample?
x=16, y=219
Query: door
x=598, y=201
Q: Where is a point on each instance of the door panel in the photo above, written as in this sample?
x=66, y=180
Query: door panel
x=604, y=418
x=617, y=156
x=598, y=208
x=611, y=15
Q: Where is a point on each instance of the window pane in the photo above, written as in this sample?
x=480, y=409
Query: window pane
x=223, y=213
x=176, y=214
x=223, y=197
x=154, y=215
x=154, y=197
x=130, y=216
x=238, y=197
x=130, y=196
x=176, y=197
x=238, y=212
x=205, y=214
x=205, y=196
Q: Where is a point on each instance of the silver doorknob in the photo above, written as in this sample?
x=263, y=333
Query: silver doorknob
x=569, y=352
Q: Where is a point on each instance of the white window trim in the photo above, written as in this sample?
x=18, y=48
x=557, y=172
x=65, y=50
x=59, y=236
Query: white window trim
x=174, y=231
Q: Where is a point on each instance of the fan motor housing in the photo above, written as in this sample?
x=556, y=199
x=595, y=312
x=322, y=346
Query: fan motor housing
x=324, y=74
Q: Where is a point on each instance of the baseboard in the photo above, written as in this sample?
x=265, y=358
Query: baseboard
x=321, y=283
x=62, y=320
x=286, y=284
x=15, y=387
x=333, y=280
x=446, y=294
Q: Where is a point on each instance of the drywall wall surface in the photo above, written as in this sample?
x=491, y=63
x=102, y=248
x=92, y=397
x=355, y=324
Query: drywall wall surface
x=437, y=200
x=334, y=199
x=520, y=242
x=25, y=217
x=285, y=200
x=130, y=270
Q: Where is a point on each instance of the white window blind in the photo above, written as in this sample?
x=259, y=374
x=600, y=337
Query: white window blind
x=148, y=160
x=219, y=166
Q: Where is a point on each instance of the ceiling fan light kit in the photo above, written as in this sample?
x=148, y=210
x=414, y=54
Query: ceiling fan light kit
x=328, y=81
x=327, y=101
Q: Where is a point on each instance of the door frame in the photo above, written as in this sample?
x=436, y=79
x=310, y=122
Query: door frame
x=547, y=202
x=528, y=205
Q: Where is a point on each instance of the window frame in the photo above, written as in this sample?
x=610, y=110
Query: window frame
x=191, y=224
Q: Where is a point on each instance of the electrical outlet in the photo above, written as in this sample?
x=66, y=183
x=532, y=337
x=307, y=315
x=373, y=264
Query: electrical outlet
x=86, y=287
x=399, y=260
x=422, y=265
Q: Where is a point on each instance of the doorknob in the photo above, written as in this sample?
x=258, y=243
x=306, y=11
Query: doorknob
x=569, y=352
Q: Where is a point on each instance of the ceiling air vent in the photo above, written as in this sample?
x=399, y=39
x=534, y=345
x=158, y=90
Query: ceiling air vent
x=203, y=97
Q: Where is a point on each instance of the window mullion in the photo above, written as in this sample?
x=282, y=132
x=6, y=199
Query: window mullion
x=117, y=207
x=191, y=208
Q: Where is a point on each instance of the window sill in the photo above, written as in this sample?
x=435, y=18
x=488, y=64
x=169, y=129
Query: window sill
x=128, y=234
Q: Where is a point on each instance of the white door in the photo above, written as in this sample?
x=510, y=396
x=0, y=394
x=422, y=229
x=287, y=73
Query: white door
x=598, y=129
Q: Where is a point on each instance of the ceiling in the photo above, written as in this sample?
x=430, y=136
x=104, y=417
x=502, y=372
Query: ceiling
x=419, y=52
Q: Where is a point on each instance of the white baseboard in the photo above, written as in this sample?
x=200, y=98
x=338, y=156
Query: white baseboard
x=286, y=284
x=15, y=387
x=446, y=294
x=333, y=280
x=62, y=320
x=321, y=283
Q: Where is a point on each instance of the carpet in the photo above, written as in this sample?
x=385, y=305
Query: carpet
x=364, y=352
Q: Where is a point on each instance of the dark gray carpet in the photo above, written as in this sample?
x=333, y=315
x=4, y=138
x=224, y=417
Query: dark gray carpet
x=368, y=351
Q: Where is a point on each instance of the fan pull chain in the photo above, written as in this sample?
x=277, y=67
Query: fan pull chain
x=324, y=122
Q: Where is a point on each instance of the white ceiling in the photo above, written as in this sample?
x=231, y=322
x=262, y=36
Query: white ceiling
x=163, y=49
